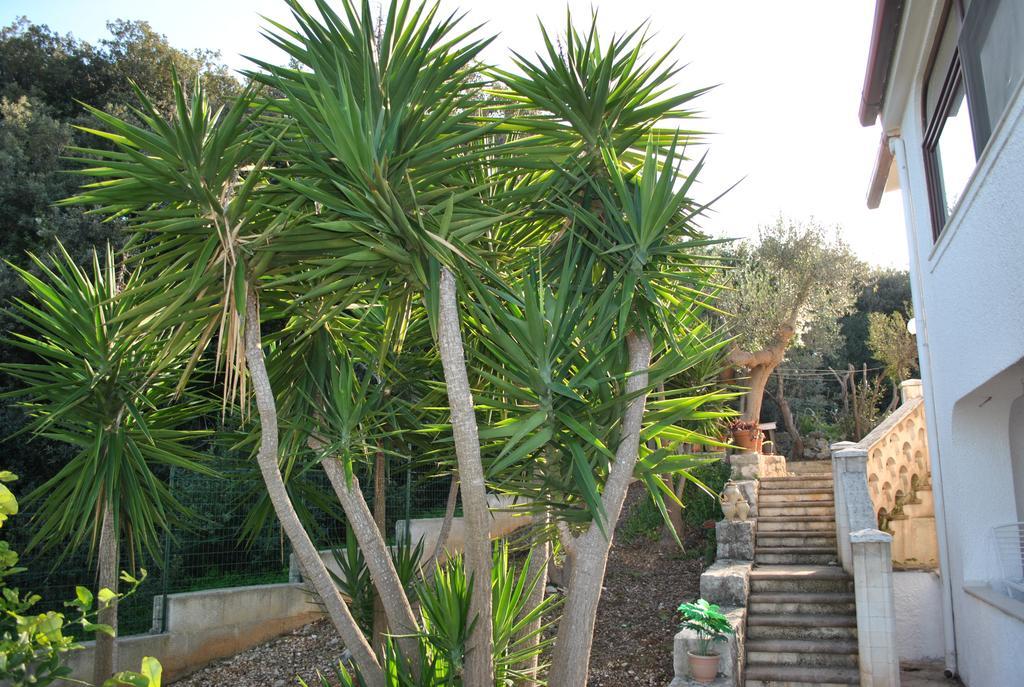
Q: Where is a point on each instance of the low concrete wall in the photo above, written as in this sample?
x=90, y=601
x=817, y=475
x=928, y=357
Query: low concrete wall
x=918, y=596
x=503, y=522
x=207, y=625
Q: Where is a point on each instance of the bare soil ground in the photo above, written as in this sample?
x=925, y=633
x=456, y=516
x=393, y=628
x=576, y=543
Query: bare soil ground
x=636, y=621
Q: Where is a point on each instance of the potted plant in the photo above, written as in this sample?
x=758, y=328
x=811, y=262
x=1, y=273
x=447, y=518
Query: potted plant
x=707, y=620
x=745, y=434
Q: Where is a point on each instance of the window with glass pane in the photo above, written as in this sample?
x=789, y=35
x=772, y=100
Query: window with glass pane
x=992, y=46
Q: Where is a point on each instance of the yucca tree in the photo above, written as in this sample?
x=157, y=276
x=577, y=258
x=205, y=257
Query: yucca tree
x=377, y=186
x=607, y=164
x=93, y=383
x=383, y=140
x=204, y=219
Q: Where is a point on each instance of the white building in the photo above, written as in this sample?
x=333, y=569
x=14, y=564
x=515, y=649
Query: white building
x=944, y=84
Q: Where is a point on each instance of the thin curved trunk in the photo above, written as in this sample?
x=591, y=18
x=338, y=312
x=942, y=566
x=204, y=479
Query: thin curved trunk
x=571, y=660
x=386, y=582
x=105, y=655
x=787, y=418
x=313, y=568
x=446, y=523
x=380, y=517
x=530, y=634
x=479, y=648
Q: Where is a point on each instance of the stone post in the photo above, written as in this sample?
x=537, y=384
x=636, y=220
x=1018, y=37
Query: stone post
x=844, y=455
x=910, y=389
x=876, y=614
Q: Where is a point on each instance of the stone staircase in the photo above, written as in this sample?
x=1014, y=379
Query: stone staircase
x=801, y=613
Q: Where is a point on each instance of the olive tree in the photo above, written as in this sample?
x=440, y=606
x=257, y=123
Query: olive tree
x=795, y=277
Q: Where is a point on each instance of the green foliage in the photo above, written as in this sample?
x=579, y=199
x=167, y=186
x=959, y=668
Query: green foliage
x=149, y=675
x=95, y=385
x=892, y=344
x=353, y=577
x=642, y=522
x=444, y=609
x=44, y=78
x=880, y=290
x=707, y=620
x=799, y=275
x=645, y=520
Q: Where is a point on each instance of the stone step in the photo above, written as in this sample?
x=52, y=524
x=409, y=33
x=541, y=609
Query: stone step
x=824, y=603
x=774, y=540
x=803, y=523
x=802, y=627
x=795, y=555
x=803, y=652
x=780, y=579
x=771, y=675
x=787, y=495
x=797, y=508
x=805, y=482
x=809, y=467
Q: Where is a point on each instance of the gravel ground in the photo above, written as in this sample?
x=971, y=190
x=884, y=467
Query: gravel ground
x=277, y=663
x=636, y=621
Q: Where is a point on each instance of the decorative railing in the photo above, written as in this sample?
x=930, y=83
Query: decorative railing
x=899, y=480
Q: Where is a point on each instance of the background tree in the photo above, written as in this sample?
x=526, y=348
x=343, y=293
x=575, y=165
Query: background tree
x=94, y=386
x=894, y=346
x=795, y=277
x=44, y=78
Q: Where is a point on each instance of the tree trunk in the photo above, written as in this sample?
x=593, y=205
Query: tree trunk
x=571, y=659
x=479, y=649
x=312, y=565
x=895, y=402
x=387, y=585
x=761, y=364
x=105, y=656
x=446, y=523
x=380, y=506
x=537, y=573
x=857, y=429
x=787, y=419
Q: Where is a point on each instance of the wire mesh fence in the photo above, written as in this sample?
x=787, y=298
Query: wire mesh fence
x=222, y=543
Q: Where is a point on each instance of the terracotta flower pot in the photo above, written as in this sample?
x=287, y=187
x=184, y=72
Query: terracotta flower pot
x=703, y=669
x=744, y=438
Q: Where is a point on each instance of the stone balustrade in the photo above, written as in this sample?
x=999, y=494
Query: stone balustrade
x=899, y=481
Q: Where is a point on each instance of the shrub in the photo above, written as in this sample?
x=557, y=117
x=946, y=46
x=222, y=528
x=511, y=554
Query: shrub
x=33, y=646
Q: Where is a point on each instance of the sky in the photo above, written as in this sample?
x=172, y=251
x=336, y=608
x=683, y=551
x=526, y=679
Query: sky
x=788, y=78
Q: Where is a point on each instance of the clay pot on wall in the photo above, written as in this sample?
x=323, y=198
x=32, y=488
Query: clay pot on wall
x=744, y=438
x=703, y=669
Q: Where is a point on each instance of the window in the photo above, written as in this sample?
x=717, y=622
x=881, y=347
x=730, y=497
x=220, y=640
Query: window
x=975, y=69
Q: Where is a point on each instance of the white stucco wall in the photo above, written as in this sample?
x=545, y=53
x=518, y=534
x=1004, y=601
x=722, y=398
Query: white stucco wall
x=918, y=597
x=968, y=290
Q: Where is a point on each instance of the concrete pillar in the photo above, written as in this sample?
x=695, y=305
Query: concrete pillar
x=876, y=608
x=841, y=458
x=911, y=389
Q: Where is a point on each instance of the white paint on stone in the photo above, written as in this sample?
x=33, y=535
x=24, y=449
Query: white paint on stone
x=918, y=596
